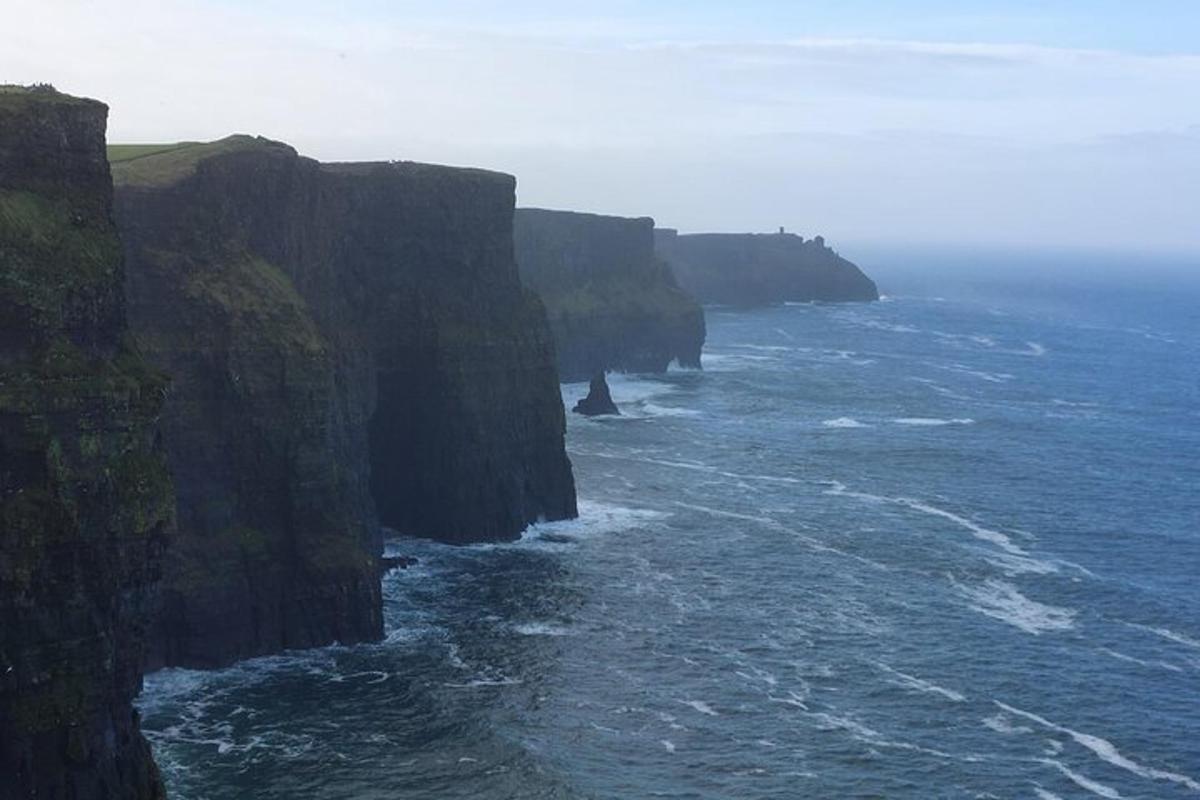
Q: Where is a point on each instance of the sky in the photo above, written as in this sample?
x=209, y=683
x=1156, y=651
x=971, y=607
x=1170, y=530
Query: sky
x=1064, y=123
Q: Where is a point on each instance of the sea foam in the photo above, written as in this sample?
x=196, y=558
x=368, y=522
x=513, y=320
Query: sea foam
x=1106, y=751
x=1001, y=600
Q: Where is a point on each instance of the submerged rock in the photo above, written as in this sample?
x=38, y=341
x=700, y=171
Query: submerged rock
x=598, y=401
x=389, y=563
x=85, y=498
x=613, y=304
x=761, y=269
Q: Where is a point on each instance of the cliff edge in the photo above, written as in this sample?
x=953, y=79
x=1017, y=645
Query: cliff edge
x=352, y=348
x=612, y=303
x=85, y=499
x=761, y=269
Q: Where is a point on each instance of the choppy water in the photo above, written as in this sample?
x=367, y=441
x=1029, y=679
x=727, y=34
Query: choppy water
x=922, y=548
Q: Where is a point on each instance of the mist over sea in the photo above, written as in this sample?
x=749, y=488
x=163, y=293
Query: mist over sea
x=944, y=545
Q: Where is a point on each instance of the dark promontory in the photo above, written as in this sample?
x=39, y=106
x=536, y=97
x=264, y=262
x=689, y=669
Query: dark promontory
x=351, y=347
x=613, y=304
x=761, y=269
x=85, y=499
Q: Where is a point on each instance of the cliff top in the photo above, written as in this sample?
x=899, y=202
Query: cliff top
x=13, y=96
x=164, y=164
x=583, y=216
x=413, y=169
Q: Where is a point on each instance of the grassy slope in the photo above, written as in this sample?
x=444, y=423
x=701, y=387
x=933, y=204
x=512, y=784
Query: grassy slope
x=162, y=164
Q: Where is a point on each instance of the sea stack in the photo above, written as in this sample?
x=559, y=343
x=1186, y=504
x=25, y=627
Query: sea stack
x=85, y=497
x=598, y=401
x=761, y=269
x=612, y=303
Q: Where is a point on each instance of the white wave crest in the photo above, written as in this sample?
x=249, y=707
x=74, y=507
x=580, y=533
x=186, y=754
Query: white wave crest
x=1084, y=782
x=844, y=422
x=1140, y=662
x=1168, y=634
x=917, y=684
x=1106, y=751
x=1001, y=724
x=701, y=706
x=932, y=422
x=1001, y=600
x=540, y=629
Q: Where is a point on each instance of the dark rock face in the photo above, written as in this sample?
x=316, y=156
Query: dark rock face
x=352, y=347
x=760, y=269
x=85, y=498
x=612, y=303
x=598, y=401
x=278, y=539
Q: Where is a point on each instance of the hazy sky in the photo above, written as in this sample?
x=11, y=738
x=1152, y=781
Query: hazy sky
x=1074, y=122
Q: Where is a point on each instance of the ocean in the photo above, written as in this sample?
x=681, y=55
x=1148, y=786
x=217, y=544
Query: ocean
x=941, y=546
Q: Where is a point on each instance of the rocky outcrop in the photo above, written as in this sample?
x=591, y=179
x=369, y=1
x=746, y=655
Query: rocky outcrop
x=599, y=400
x=351, y=347
x=613, y=304
x=761, y=269
x=85, y=497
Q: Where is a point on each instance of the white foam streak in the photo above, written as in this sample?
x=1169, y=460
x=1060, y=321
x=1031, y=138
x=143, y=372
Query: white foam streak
x=1168, y=634
x=1084, y=782
x=701, y=706
x=932, y=422
x=912, y=682
x=767, y=522
x=1001, y=600
x=978, y=531
x=844, y=422
x=1106, y=751
x=1000, y=724
x=1140, y=662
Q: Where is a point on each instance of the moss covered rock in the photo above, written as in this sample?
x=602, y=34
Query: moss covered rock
x=85, y=498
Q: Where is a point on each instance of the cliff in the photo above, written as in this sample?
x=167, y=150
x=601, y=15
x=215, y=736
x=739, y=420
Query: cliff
x=612, y=303
x=85, y=499
x=351, y=348
x=760, y=269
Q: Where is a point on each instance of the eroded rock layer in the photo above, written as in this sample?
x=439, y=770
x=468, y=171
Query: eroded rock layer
x=761, y=269
x=352, y=347
x=85, y=497
x=613, y=304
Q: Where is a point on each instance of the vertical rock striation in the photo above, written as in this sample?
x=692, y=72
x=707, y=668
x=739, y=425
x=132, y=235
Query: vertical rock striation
x=278, y=542
x=760, y=269
x=613, y=304
x=85, y=499
x=353, y=347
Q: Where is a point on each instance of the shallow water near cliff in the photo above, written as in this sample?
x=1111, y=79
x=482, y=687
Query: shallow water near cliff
x=930, y=547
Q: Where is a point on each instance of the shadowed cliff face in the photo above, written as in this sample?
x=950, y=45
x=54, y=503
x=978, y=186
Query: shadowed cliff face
x=85, y=499
x=278, y=541
x=612, y=303
x=760, y=269
x=352, y=347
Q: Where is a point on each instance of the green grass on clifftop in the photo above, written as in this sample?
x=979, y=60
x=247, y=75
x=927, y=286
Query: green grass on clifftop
x=163, y=164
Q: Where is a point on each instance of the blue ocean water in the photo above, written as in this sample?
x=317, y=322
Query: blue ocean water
x=941, y=546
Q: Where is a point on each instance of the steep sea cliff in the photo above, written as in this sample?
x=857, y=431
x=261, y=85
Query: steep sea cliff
x=761, y=269
x=352, y=348
x=613, y=304
x=85, y=498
